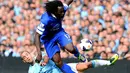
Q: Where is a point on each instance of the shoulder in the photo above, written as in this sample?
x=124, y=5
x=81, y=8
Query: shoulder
x=45, y=14
x=45, y=18
x=35, y=68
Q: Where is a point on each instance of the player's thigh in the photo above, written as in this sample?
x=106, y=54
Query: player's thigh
x=66, y=42
x=64, y=39
x=70, y=47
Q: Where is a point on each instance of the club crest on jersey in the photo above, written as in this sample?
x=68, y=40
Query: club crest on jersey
x=55, y=27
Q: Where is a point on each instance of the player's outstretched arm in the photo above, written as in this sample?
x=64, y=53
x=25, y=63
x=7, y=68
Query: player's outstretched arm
x=38, y=45
x=68, y=2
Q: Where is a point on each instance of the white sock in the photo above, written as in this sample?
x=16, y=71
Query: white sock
x=98, y=63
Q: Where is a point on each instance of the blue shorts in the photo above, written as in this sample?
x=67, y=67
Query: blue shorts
x=52, y=45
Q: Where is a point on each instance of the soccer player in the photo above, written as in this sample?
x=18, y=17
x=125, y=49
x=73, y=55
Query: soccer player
x=76, y=67
x=51, y=34
x=45, y=65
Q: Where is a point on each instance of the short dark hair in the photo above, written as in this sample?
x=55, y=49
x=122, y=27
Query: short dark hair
x=52, y=6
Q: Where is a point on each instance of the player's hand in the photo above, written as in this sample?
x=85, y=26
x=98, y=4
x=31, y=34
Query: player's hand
x=43, y=63
x=39, y=57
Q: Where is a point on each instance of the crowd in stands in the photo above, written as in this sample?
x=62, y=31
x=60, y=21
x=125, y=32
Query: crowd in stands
x=105, y=22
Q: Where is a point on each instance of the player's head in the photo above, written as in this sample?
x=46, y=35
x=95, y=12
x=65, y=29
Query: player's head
x=26, y=57
x=56, y=8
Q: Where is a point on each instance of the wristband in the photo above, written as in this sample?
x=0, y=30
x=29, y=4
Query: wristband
x=37, y=61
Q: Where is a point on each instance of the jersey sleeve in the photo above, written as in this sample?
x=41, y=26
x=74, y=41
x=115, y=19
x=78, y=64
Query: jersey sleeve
x=65, y=6
x=43, y=22
x=40, y=28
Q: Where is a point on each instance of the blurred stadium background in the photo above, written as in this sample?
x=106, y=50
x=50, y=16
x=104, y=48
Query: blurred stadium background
x=106, y=22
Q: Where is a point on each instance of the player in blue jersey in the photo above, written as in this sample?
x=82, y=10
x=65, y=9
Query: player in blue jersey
x=50, y=67
x=45, y=65
x=50, y=33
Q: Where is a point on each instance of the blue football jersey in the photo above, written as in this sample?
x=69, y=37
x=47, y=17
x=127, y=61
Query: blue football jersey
x=49, y=25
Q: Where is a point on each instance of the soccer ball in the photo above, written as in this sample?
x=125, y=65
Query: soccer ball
x=86, y=44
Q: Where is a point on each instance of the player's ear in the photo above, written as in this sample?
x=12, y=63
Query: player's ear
x=22, y=59
x=21, y=52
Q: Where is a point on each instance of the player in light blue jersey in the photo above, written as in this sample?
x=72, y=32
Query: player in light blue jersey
x=50, y=33
x=45, y=65
x=50, y=67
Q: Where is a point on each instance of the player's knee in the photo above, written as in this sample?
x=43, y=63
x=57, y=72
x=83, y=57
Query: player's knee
x=89, y=65
x=82, y=66
x=86, y=66
x=70, y=48
x=59, y=63
x=57, y=59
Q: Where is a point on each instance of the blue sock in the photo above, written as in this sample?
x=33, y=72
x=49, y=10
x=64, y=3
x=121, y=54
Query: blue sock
x=66, y=69
x=77, y=52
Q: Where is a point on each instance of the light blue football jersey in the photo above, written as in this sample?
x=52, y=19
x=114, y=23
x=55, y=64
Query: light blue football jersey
x=49, y=68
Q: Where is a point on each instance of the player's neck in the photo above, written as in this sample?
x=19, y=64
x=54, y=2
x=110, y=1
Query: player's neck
x=32, y=63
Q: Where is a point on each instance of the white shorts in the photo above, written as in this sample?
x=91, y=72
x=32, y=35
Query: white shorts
x=73, y=67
